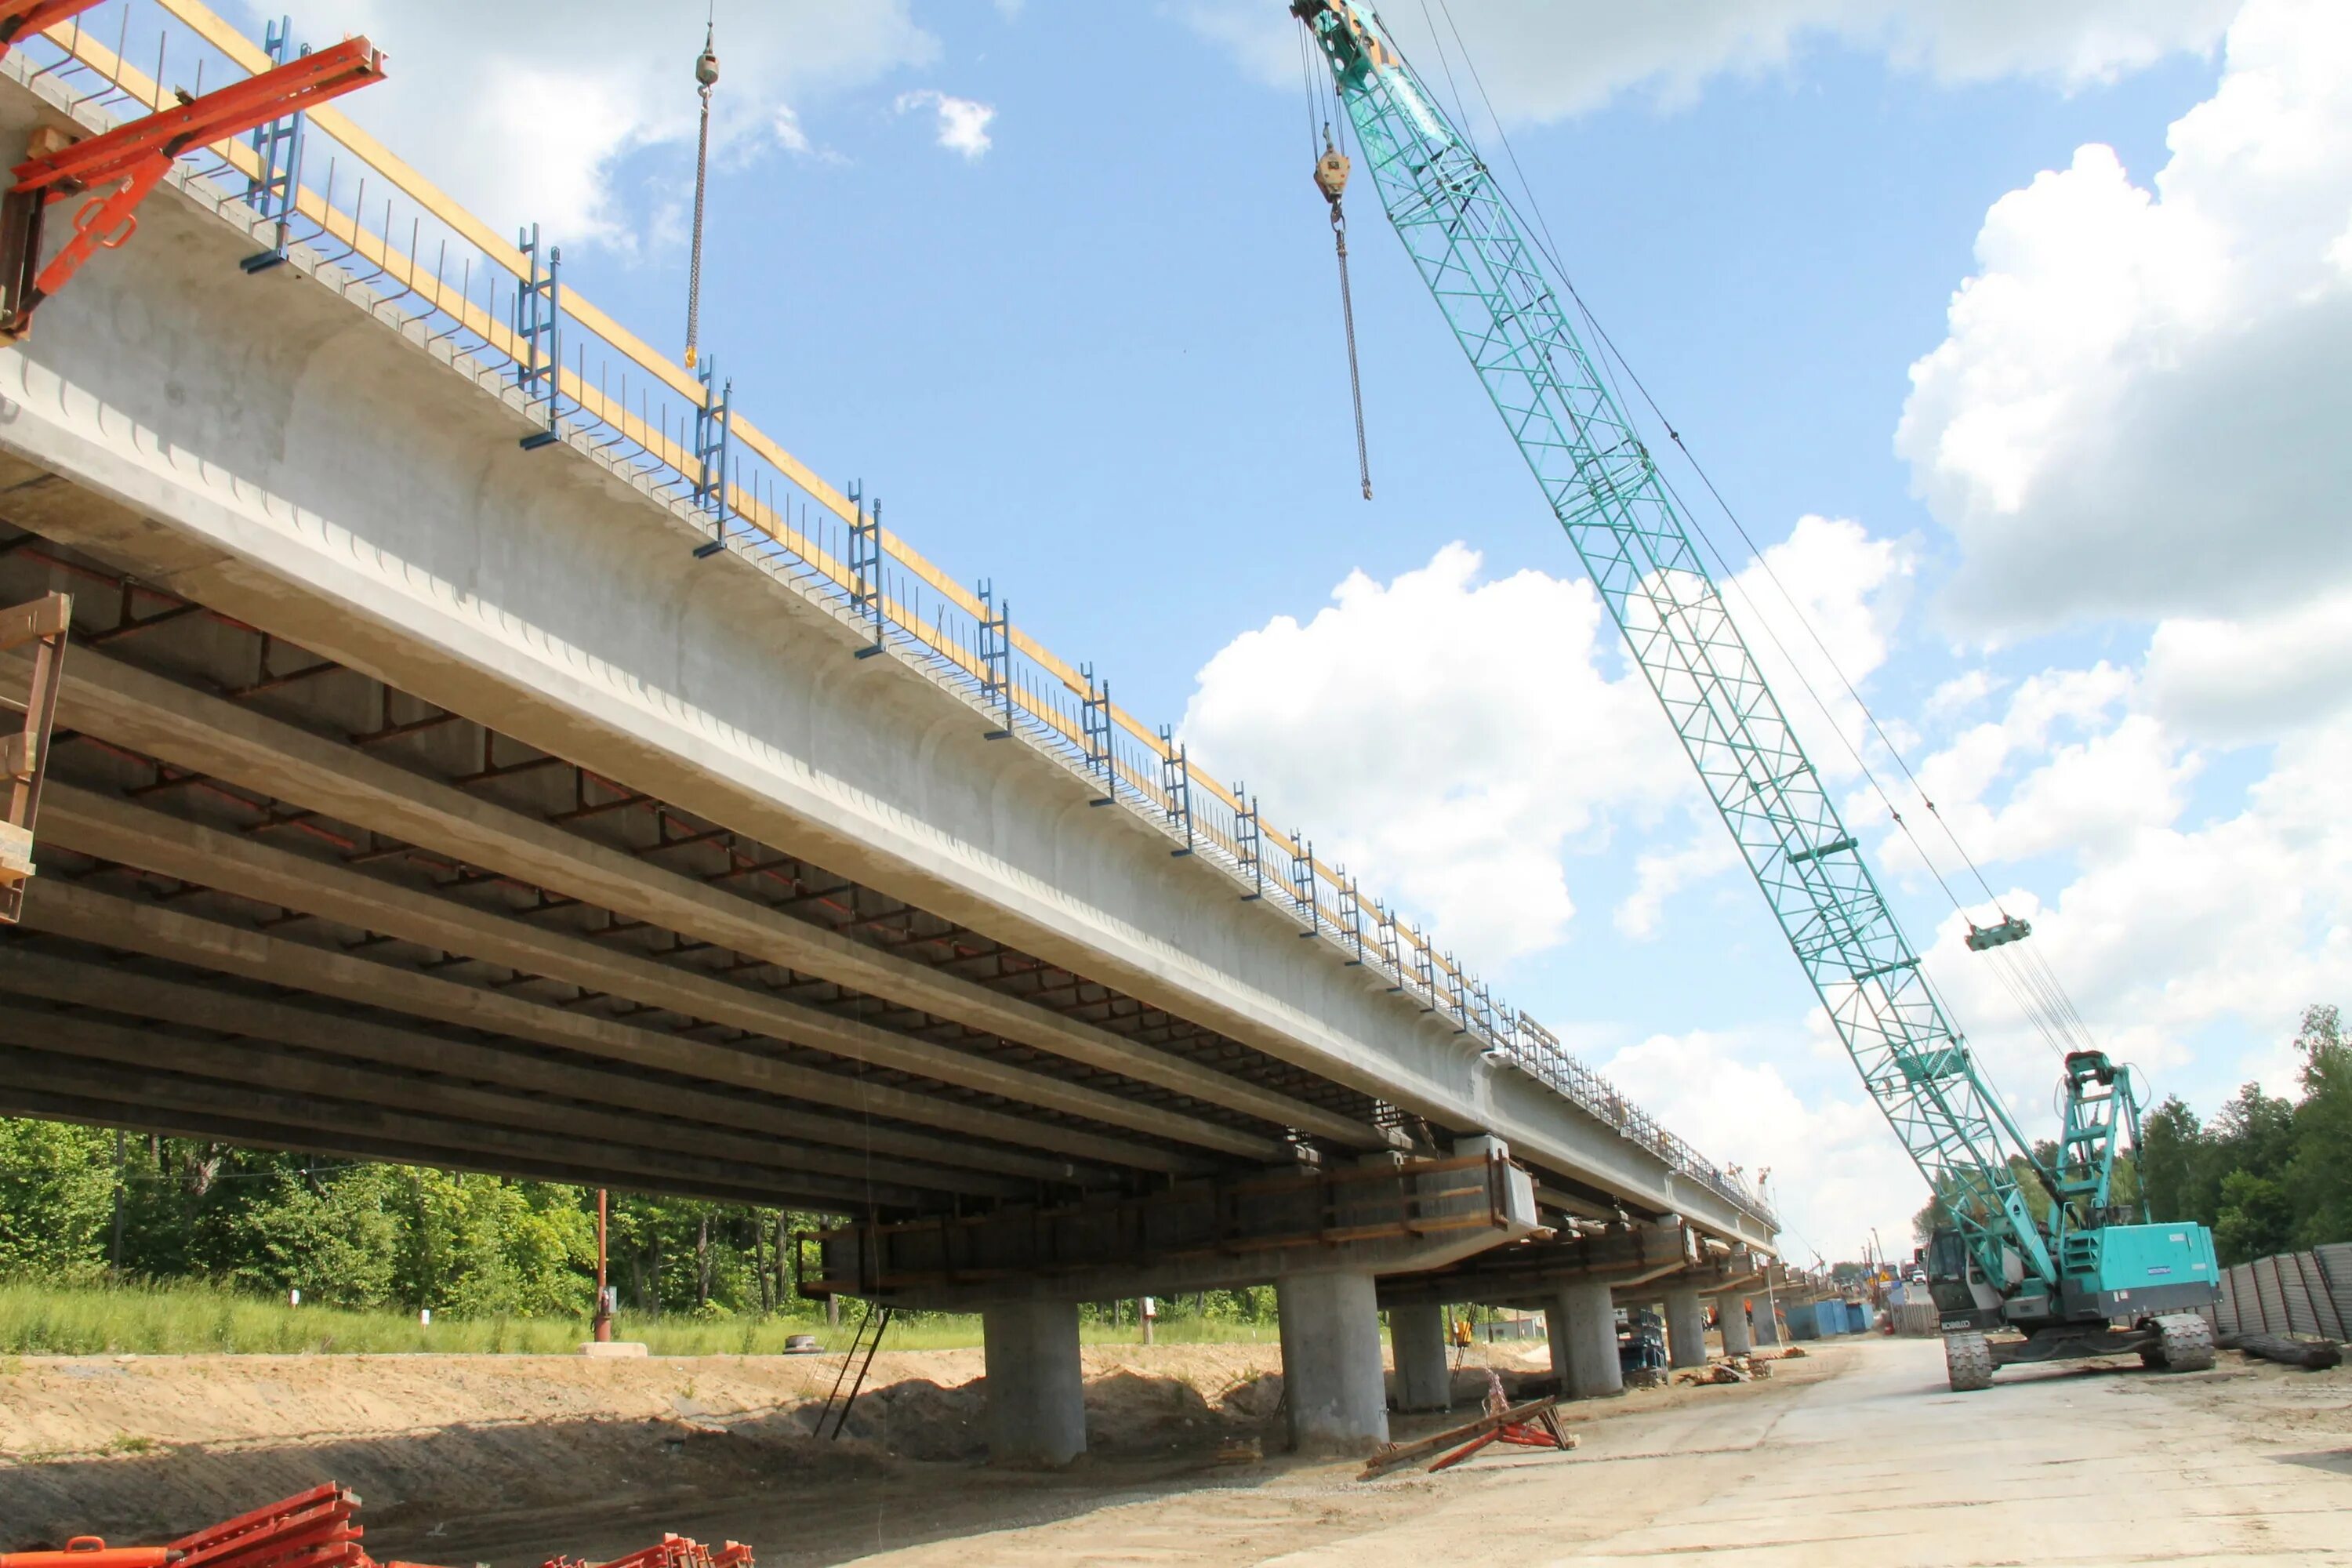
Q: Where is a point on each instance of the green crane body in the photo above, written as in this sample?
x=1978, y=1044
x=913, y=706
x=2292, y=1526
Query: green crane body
x=1998, y=1266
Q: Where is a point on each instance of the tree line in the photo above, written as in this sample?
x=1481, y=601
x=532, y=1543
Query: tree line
x=85, y=1206
x=82, y=1205
x=2266, y=1174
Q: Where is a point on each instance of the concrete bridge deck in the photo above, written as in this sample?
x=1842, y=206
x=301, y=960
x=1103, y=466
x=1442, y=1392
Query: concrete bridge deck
x=419, y=795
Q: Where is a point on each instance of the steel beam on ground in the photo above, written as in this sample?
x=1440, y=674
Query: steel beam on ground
x=113, y=830
x=25, y=971
x=163, y=719
x=124, y=924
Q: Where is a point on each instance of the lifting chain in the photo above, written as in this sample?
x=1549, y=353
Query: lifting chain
x=1331, y=179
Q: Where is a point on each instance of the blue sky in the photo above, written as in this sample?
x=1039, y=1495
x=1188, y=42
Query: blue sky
x=1052, y=281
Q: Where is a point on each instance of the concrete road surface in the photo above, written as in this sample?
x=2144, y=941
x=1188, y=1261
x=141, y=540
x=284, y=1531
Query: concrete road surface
x=1872, y=1461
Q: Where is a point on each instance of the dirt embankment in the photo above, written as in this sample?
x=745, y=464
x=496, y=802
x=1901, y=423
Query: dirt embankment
x=141, y=1449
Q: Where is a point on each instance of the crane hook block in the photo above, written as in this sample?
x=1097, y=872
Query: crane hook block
x=1331, y=174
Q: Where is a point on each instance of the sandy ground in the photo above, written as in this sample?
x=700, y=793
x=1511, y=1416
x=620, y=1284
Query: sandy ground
x=1856, y=1454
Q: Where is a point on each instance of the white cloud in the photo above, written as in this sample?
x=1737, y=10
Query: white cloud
x=2139, y=409
x=1837, y=1169
x=523, y=119
x=2224, y=681
x=1456, y=743
x=963, y=124
x=1542, y=60
x=1446, y=739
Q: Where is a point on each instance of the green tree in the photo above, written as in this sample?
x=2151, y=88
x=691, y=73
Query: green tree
x=56, y=1196
x=2174, y=1154
x=2318, y=1176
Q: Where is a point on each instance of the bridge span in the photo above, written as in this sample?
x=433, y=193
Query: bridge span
x=470, y=752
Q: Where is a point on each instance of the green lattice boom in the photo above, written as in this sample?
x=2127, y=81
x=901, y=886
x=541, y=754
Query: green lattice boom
x=1608, y=495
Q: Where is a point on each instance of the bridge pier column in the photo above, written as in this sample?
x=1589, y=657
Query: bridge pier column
x=1731, y=1316
x=1333, y=1384
x=1766, y=1326
x=1583, y=1325
x=1035, y=1387
x=1417, y=1340
x=1685, y=1330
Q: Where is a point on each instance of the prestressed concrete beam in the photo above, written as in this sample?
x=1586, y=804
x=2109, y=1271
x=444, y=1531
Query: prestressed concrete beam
x=1378, y=1219
x=165, y=719
x=63, y=909
x=26, y=972
x=1532, y=1272
x=407, y=1137
x=114, y=830
x=275, y=1068
x=98, y=1111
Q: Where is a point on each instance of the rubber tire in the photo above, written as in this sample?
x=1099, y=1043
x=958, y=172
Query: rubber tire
x=2187, y=1345
x=1968, y=1362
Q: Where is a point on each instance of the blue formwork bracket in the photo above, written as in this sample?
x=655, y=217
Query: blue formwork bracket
x=538, y=326
x=714, y=423
x=1094, y=725
x=1176, y=783
x=277, y=183
x=996, y=660
x=866, y=566
x=1302, y=874
x=1249, y=842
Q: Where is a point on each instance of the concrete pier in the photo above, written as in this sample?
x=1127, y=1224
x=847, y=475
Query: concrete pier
x=1583, y=1325
x=1731, y=1315
x=1767, y=1325
x=1685, y=1330
x=1417, y=1343
x=1334, y=1386
x=1036, y=1388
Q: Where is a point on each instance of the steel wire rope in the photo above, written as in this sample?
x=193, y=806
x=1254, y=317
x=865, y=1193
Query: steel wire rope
x=2054, y=1032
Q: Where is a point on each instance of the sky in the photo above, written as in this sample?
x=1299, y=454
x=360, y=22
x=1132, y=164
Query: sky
x=2013, y=333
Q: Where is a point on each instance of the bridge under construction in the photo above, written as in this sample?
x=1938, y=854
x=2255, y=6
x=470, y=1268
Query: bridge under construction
x=481, y=744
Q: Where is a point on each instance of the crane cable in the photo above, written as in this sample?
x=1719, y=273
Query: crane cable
x=706, y=76
x=2027, y=977
x=1331, y=168
x=1331, y=179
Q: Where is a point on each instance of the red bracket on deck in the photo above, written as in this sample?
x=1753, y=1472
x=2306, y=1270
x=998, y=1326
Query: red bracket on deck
x=134, y=158
x=20, y=18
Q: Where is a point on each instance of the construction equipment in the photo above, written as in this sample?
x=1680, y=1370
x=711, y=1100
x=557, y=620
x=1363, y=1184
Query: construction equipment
x=118, y=167
x=2060, y=1280
x=318, y=1528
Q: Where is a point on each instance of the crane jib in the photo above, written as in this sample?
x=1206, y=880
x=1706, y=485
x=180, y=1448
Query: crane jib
x=1465, y=241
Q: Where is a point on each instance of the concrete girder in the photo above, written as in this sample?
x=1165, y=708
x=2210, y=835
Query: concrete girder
x=96, y=1109
x=167, y=720
x=26, y=972
x=418, y=1140
x=87, y=915
x=1377, y=1219
x=1532, y=1272
x=274, y=1066
x=113, y=830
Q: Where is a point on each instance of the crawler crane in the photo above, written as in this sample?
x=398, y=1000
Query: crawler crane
x=2082, y=1278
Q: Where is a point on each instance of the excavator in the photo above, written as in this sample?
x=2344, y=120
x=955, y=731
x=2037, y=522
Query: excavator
x=2037, y=1259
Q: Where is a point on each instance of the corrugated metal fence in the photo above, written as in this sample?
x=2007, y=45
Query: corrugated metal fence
x=2305, y=1293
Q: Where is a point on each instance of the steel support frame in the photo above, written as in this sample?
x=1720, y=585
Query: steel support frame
x=538, y=328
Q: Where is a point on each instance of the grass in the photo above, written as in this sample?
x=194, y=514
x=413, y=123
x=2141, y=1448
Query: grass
x=188, y=1318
